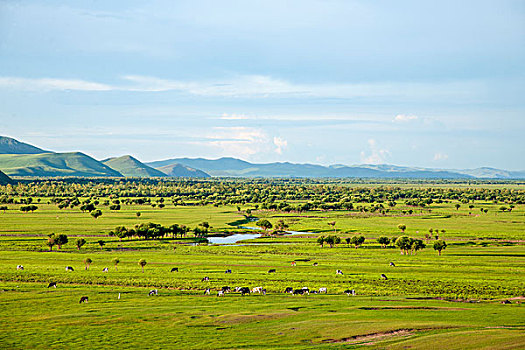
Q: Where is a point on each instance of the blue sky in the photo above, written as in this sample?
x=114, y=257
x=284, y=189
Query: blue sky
x=421, y=83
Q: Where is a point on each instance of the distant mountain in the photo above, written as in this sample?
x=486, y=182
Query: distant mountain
x=4, y=179
x=179, y=170
x=54, y=164
x=11, y=146
x=131, y=167
x=239, y=168
x=492, y=173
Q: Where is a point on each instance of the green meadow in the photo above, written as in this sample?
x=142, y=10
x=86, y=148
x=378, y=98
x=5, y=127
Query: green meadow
x=469, y=297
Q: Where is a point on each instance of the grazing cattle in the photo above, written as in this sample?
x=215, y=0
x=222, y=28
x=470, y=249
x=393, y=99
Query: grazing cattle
x=226, y=289
x=392, y=264
x=294, y=263
x=244, y=290
x=19, y=267
x=323, y=290
x=305, y=289
x=383, y=276
x=263, y=291
x=506, y=302
x=175, y=269
x=105, y=269
x=153, y=292
x=349, y=292
x=69, y=268
x=315, y=264
x=272, y=271
x=207, y=291
x=288, y=290
x=257, y=290
x=220, y=293
x=338, y=272
x=205, y=279
x=301, y=291
x=83, y=300
x=228, y=271
x=52, y=284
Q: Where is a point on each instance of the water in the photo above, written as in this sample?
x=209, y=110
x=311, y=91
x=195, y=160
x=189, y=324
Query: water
x=242, y=236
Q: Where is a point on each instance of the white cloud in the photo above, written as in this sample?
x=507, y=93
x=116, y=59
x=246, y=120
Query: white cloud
x=403, y=118
x=241, y=142
x=376, y=156
x=226, y=116
x=47, y=84
x=440, y=156
x=280, y=144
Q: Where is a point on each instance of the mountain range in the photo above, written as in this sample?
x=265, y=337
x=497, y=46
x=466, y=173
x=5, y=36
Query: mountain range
x=22, y=159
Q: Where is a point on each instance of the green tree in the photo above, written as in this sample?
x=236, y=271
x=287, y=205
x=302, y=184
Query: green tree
x=115, y=262
x=418, y=245
x=60, y=240
x=321, y=240
x=457, y=205
x=101, y=243
x=138, y=214
x=142, y=263
x=80, y=242
x=332, y=223
x=281, y=226
x=439, y=245
x=384, y=241
x=51, y=241
x=357, y=241
x=348, y=240
x=402, y=227
x=264, y=224
x=96, y=213
x=404, y=244
x=87, y=262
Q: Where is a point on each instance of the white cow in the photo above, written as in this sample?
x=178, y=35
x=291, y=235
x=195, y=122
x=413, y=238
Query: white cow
x=323, y=290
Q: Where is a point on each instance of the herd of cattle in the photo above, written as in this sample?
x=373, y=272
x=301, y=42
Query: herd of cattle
x=242, y=290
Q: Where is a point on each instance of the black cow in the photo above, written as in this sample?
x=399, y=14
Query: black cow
x=228, y=271
x=244, y=290
x=300, y=291
x=153, y=292
x=288, y=290
x=226, y=289
x=338, y=272
x=205, y=279
x=175, y=269
x=52, y=284
x=207, y=291
x=383, y=276
x=69, y=268
x=349, y=292
x=392, y=264
x=105, y=269
x=315, y=264
x=83, y=300
x=272, y=271
x=19, y=267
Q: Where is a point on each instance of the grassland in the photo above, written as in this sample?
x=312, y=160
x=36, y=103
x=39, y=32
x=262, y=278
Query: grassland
x=451, y=301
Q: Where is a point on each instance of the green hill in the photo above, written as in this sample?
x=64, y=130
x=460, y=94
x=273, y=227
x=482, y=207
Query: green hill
x=9, y=145
x=131, y=167
x=179, y=170
x=54, y=164
x=4, y=179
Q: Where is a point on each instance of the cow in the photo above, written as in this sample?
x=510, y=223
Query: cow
x=349, y=292
x=383, y=276
x=338, y=272
x=105, y=269
x=257, y=290
x=392, y=264
x=205, y=279
x=19, y=267
x=315, y=264
x=52, y=284
x=228, y=271
x=220, y=293
x=323, y=290
x=288, y=290
x=153, y=292
x=272, y=271
x=506, y=302
x=83, y=300
x=175, y=269
x=226, y=289
x=69, y=268
x=244, y=290
x=301, y=291
x=207, y=291
x=294, y=263
x=263, y=291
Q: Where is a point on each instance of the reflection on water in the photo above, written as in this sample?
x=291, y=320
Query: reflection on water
x=242, y=236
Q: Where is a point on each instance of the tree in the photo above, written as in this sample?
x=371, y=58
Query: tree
x=51, y=241
x=115, y=262
x=120, y=231
x=321, y=240
x=80, y=243
x=88, y=262
x=264, y=224
x=348, y=240
x=404, y=244
x=142, y=263
x=418, y=245
x=457, y=205
x=60, y=240
x=101, y=243
x=96, y=213
x=402, y=227
x=384, y=241
x=138, y=214
x=357, y=241
x=4, y=208
x=439, y=245
x=281, y=226
x=332, y=223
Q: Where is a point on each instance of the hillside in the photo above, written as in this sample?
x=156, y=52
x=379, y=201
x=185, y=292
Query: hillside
x=54, y=164
x=4, y=179
x=239, y=168
x=9, y=145
x=179, y=170
x=132, y=167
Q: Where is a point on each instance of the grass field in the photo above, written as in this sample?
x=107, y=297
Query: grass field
x=451, y=301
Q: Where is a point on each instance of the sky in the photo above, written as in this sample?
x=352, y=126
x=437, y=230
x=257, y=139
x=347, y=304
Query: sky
x=437, y=84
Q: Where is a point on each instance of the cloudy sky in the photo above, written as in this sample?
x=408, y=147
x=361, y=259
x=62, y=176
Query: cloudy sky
x=421, y=83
